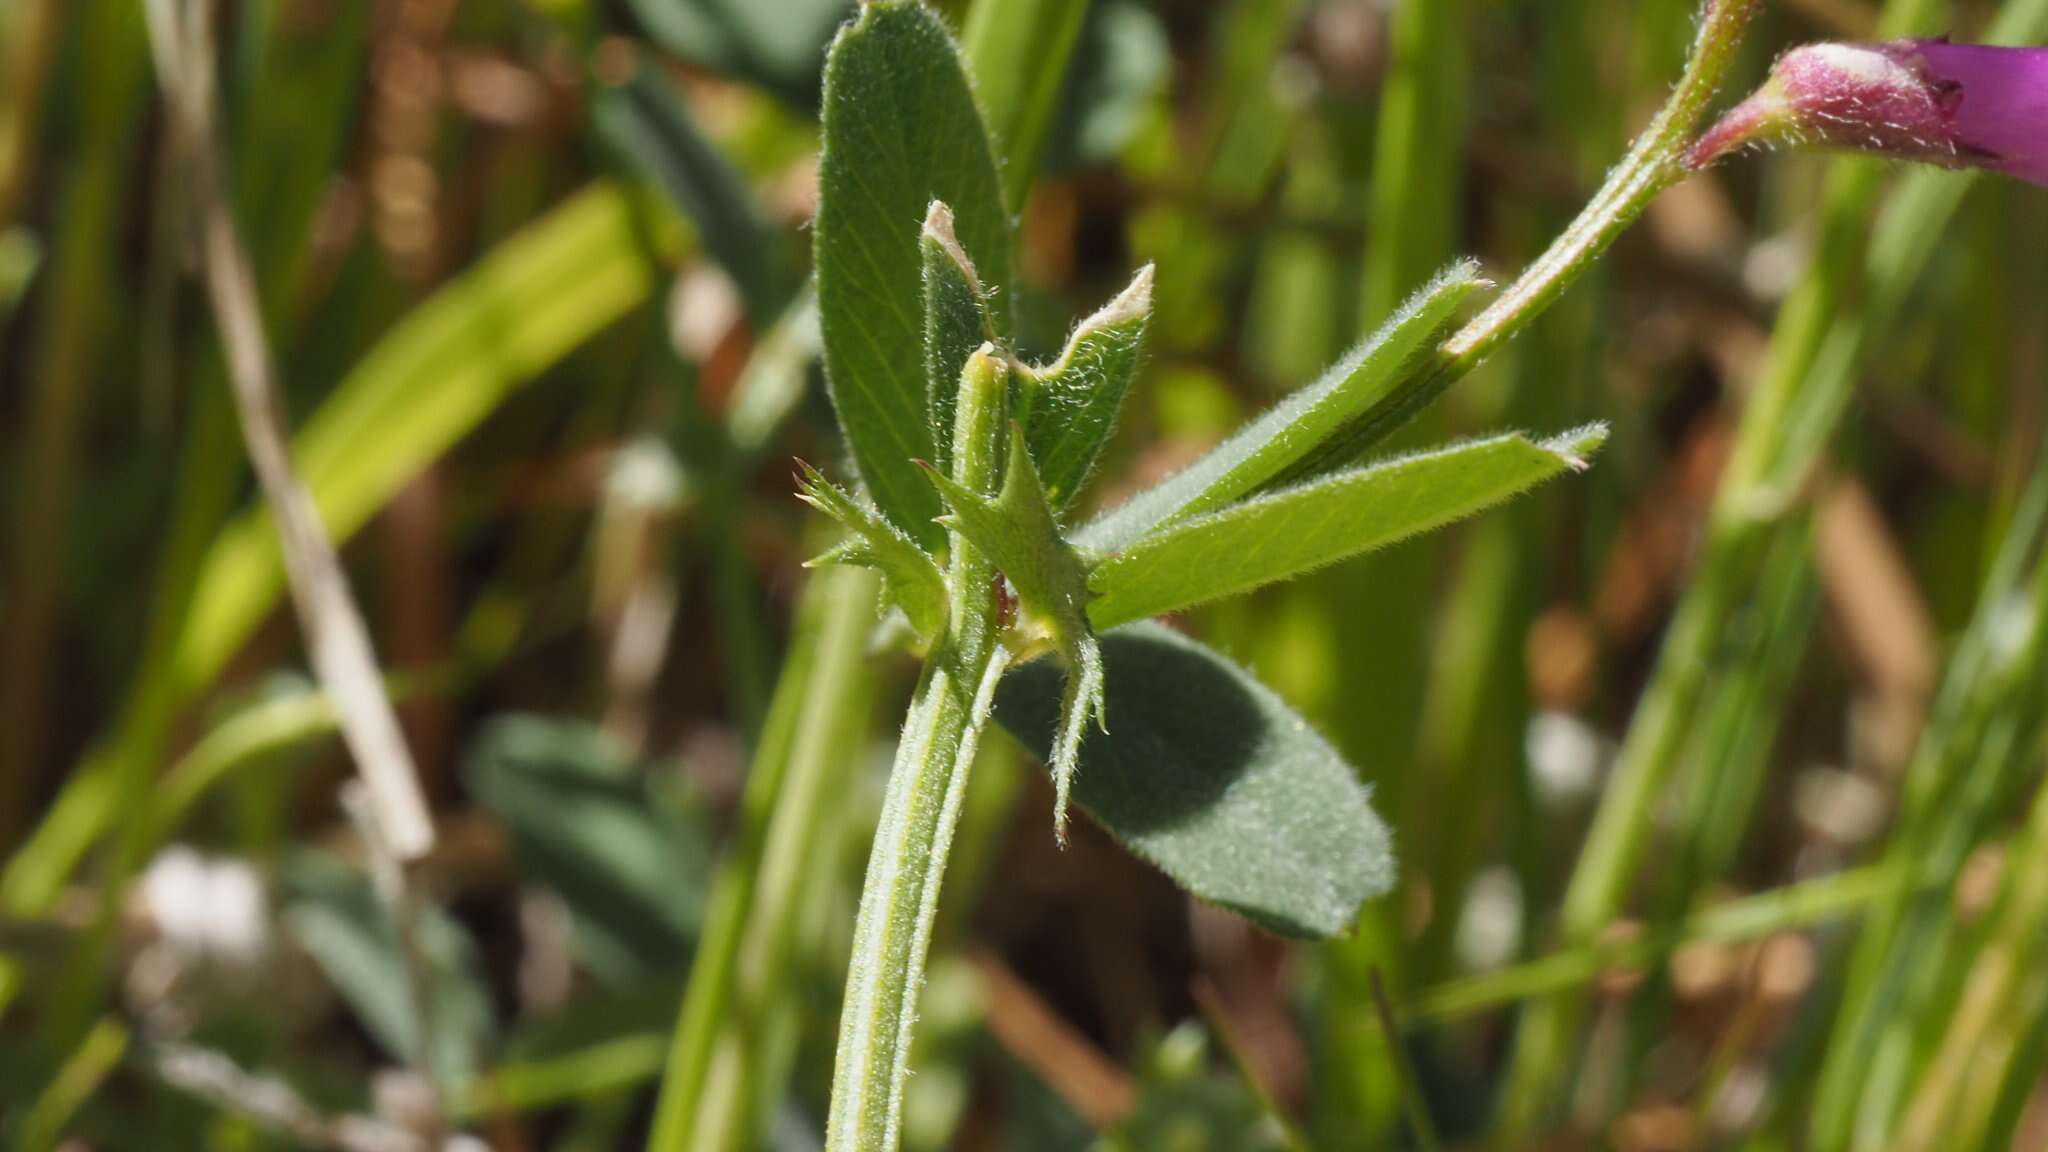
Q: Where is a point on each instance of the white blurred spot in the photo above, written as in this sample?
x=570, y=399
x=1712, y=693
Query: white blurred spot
x=1841, y=807
x=1490, y=927
x=645, y=475
x=1566, y=757
x=212, y=909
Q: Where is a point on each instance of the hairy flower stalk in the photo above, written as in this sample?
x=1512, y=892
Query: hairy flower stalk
x=1956, y=105
x=892, y=933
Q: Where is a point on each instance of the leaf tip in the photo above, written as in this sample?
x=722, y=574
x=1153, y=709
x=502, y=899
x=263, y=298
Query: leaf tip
x=1132, y=305
x=1577, y=446
x=939, y=231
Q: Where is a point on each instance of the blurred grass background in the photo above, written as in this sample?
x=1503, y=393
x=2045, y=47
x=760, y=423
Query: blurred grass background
x=1716, y=773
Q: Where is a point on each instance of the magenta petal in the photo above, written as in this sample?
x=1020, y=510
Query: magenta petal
x=2000, y=102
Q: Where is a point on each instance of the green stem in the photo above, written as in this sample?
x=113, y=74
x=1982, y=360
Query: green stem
x=1841, y=895
x=1654, y=164
x=892, y=934
x=816, y=716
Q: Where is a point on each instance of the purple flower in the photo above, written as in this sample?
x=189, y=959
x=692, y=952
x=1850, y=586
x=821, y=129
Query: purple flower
x=1958, y=105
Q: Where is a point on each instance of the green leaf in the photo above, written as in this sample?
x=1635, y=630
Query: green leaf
x=1018, y=534
x=342, y=924
x=956, y=323
x=901, y=131
x=1213, y=778
x=644, y=121
x=1070, y=406
x=1284, y=534
x=775, y=45
x=1268, y=446
x=628, y=865
x=910, y=580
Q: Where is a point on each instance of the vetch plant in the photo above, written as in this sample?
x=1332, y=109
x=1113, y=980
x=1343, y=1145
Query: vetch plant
x=971, y=461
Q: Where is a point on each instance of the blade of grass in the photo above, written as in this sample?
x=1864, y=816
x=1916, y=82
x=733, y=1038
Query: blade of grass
x=1803, y=905
x=427, y=383
x=1986, y=722
x=84, y=1073
x=1017, y=53
x=801, y=764
x=91, y=193
x=1787, y=423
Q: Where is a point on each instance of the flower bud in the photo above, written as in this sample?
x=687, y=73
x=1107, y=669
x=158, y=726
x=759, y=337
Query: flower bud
x=1957, y=105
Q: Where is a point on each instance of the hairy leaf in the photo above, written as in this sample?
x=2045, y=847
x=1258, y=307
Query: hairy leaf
x=910, y=580
x=956, y=323
x=1070, y=406
x=901, y=131
x=1287, y=533
x=1213, y=778
x=1268, y=446
x=1015, y=529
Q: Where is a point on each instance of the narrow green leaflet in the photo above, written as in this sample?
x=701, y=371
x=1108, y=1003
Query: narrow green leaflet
x=1015, y=529
x=1287, y=533
x=337, y=918
x=901, y=131
x=1266, y=447
x=956, y=322
x=1213, y=778
x=629, y=865
x=645, y=122
x=910, y=580
x=1070, y=406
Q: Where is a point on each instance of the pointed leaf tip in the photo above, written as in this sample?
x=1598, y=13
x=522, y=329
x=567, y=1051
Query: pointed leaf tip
x=910, y=578
x=1071, y=406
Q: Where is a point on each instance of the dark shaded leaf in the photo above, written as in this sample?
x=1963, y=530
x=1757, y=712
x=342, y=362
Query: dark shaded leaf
x=776, y=44
x=338, y=918
x=1213, y=778
x=648, y=125
x=629, y=867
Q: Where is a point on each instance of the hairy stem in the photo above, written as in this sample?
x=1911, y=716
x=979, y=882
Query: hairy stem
x=1656, y=162
x=892, y=934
